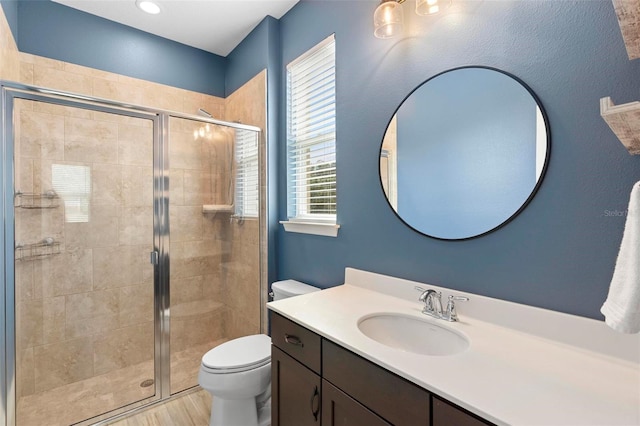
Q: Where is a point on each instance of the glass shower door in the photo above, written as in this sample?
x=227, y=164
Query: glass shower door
x=215, y=234
x=84, y=286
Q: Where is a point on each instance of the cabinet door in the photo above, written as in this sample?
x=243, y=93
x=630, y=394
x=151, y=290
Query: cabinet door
x=445, y=414
x=339, y=409
x=295, y=392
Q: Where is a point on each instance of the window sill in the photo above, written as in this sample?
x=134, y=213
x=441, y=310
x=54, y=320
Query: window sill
x=313, y=228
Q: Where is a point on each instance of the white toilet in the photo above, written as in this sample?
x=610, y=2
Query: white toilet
x=238, y=373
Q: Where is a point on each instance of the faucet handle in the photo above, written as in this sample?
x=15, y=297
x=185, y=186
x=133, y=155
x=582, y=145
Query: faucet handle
x=451, y=314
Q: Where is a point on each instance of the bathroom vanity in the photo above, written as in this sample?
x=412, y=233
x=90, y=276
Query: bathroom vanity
x=317, y=382
x=519, y=365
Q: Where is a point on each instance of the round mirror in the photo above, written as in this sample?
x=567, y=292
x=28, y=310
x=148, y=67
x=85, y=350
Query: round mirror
x=464, y=153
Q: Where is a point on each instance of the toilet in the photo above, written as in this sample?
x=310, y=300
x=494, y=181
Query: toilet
x=237, y=373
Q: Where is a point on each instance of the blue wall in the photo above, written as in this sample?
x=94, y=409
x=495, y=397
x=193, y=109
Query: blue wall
x=560, y=251
x=10, y=9
x=55, y=31
x=466, y=153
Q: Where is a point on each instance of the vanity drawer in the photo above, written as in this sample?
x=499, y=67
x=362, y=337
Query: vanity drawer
x=375, y=387
x=295, y=340
x=446, y=414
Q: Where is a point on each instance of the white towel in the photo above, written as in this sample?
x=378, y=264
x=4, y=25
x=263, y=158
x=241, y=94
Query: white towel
x=622, y=307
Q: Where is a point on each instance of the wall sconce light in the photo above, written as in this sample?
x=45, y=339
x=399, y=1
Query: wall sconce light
x=431, y=7
x=388, y=20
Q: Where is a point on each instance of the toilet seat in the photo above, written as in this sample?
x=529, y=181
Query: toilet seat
x=242, y=354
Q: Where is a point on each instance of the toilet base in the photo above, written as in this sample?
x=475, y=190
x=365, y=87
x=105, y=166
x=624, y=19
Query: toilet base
x=239, y=412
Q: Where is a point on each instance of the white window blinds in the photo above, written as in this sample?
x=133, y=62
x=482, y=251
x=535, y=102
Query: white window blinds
x=247, y=169
x=311, y=134
x=73, y=185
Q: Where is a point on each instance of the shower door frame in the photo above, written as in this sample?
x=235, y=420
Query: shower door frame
x=159, y=257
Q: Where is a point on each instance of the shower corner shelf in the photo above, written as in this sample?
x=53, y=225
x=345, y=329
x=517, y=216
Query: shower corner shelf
x=624, y=121
x=47, y=200
x=45, y=248
x=217, y=208
x=628, y=13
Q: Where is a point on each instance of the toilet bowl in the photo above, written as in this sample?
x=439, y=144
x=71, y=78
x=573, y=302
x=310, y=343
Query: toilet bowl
x=237, y=373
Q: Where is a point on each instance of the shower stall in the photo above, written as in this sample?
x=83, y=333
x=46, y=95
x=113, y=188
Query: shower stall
x=133, y=243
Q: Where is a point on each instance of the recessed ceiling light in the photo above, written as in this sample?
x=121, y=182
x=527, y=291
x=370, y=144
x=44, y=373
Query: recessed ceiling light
x=148, y=6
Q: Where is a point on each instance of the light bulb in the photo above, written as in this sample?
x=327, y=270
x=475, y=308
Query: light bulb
x=431, y=7
x=148, y=6
x=387, y=19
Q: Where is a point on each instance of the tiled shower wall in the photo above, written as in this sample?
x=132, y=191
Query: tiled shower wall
x=246, y=105
x=77, y=307
x=88, y=310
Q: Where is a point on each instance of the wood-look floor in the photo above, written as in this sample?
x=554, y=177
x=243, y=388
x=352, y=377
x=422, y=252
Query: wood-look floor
x=192, y=409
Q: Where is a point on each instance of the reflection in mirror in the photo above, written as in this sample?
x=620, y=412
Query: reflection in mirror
x=464, y=153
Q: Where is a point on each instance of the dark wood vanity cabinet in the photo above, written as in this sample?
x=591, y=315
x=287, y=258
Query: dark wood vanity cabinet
x=316, y=382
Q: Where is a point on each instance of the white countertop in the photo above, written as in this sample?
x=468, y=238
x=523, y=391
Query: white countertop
x=542, y=368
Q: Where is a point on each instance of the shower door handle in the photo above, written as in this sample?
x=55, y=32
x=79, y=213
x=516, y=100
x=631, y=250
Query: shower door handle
x=153, y=257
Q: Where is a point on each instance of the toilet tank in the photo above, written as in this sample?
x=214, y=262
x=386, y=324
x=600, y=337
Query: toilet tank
x=289, y=288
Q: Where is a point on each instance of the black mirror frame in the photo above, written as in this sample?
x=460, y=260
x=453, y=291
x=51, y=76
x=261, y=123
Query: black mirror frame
x=533, y=191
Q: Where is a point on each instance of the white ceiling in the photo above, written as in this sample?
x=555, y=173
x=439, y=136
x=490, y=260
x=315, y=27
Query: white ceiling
x=216, y=26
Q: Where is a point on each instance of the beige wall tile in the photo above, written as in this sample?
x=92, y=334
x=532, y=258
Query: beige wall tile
x=29, y=324
x=61, y=110
x=176, y=187
x=118, y=91
x=55, y=78
x=193, y=101
x=54, y=316
x=196, y=329
x=195, y=183
x=248, y=104
x=123, y=347
x=186, y=223
x=9, y=68
x=97, y=325
x=84, y=306
x=137, y=186
x=136, y=304
x=184, y=152
x=26, y=73
x=106, y=184
x=162, y=97
x=60, y=363
x=32, y=225
x=90, y=141
x=90, y=72
x=117, y=267
x=195, y=258
x=136, y=225
x=41, y=135
x=24, y=173
x=100, y=231
x=187, y=289
x=135, y=145
x=24, y=281
x=66, y=273
x=25, y=373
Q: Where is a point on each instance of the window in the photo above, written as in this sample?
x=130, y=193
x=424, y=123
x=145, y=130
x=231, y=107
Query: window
x=247, y=183
x=73, y=185
x=311, y=136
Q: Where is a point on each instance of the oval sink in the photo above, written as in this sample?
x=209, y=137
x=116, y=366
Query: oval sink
x=411, y=334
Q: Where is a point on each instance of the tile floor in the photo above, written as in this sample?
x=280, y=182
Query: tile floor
x=192, y=409
x=77, y=401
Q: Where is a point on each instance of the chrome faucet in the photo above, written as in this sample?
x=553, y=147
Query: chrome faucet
x=433, y=304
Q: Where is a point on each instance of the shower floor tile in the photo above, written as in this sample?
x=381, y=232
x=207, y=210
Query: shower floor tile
x=78, y=401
